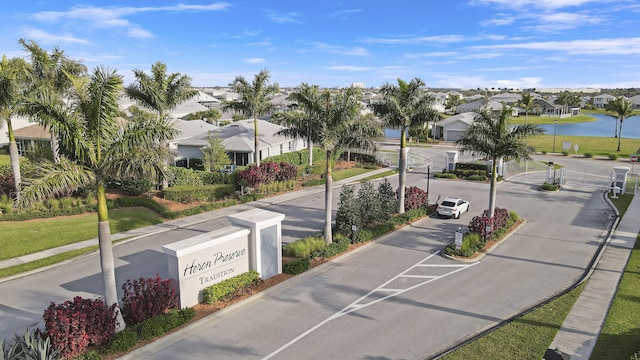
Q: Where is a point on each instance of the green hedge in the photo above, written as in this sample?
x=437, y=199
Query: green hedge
x=297, y=266
x=187, y=194
x=225, y=288
x=48, y=213
x=445, y=175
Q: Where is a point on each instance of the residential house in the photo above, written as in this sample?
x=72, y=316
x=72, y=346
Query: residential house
x=238, y=140
x=635, y=100
x=453, y=128
x=30, y=136
x=469, y=107
x=601, y=101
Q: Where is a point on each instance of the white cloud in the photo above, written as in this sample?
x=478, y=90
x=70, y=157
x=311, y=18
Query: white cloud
x=343, y=50
x=284, y=18
x=343, y=13
x=538, y=4
x=114, y=17
x=404, y=40
x=254, y=60
x=617, y=46
x=349, y=68
x=431, y=54
x=50, y=38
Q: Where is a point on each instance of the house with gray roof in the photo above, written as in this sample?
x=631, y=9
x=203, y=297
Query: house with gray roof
x=238, y=140
x=453, y=128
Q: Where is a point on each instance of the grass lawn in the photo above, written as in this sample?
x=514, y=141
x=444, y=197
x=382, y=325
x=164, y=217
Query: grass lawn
x=347, y=173
x=525, y=338
x=25, y=237
x=5, y=160
x=620, y=335
x=380, y=175
x=587, y=144
x=550, y=120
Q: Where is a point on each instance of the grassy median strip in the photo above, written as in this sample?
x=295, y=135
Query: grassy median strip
x=620, y=332
x=25, y=237
x=594, y=145
x=525, y=338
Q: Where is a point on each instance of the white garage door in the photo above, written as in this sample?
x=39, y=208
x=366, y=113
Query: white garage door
x=453, y=135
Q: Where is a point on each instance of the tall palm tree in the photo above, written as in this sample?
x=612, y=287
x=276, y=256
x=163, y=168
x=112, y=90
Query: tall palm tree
x=48, y=77
x=160, y=92
x=302, y=123
x=340, y=126
x=10, y=87
x=402, y=107
x=620, y=109
x=491, y=135
x=527, y=104
x=255, y=100
x=99, y=149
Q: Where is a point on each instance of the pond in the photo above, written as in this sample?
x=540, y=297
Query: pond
x=604, y=126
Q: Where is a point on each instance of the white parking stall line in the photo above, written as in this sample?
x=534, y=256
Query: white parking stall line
x=357, y=305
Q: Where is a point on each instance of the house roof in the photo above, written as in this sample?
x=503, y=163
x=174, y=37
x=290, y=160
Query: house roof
x=190, y=128
x=466, y=117
x=239, y=136
x=32, y=132
x=469, y=106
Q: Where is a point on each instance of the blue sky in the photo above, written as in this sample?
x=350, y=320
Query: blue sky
x=447, y=43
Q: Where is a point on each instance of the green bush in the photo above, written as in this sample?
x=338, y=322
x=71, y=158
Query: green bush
x=187, y=194
x=549, y=186
x=179, y=176
x=613, y=156
x=444, y=175
x=338, y=246
x=303, y=247
x=476, y=178
x=89, y=355
x=122, y=341
x=161, y=324
x=513, y=216
x=471, y=241
x=296, y=267
x=29, y=346
x=227, y=287
x=565, y=153
x=588, y=155
x=137, y=186
x=250, y=197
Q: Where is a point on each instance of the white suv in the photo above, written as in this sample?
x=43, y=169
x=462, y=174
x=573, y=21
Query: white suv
x=452, y=207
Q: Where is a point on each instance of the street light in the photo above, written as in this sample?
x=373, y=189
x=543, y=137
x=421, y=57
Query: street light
x=428, y=176
x=555, y=130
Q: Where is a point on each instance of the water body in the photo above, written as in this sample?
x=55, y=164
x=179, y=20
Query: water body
x=604, y=126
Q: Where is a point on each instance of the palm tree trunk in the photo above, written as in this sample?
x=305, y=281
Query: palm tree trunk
x=619, y=134
x=492, y=190
x=15, y=160
x=55, y=149
x=616, y=135
x=310, y=149
x=106, y=255
x=328, y=194
x=255, y=140
x=403, y=170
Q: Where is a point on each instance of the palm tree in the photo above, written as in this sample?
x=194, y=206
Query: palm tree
x=337, y=125
x=405, y=106
x=255, y=100
x=10, y=86
x=160, y=92
x=621, y=109
x=527, y=104
x=99, y=149
x=48, y=77
x=492, y=136
x=302, y=123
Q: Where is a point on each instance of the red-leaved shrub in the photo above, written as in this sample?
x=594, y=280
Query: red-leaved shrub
x=479, y=223
x=287, y=172
x=414, y=197
x=78, y=323
x=147, y=297
x=267, y=172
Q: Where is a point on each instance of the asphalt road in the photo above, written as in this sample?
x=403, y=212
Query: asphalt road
x=396, y=298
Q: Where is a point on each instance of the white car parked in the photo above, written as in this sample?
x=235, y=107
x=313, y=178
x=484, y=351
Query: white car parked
x=452, y=207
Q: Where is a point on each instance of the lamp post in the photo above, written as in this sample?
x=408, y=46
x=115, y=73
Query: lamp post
x=555, y=130
x=428, y=176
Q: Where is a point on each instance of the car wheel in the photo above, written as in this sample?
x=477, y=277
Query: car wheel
x=457, y=216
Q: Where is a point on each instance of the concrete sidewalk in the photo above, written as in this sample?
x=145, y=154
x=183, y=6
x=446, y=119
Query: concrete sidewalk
x=579, y=333
x=184, y=222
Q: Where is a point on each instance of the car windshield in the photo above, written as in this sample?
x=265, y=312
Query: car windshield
x=448, y=203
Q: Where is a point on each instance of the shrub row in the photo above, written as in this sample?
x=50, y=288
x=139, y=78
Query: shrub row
x=475, y=241
x=265, y=173
x=148, y=329
x=445, y=175
x=547, y=186
x=297, y=266
x=227, y=287
x=47, y=214
x=471, y=166
x=303, y=247
x=187, y=194
x=300, y=157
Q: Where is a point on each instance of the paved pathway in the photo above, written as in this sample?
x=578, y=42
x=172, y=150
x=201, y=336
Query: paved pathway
x=580, y=330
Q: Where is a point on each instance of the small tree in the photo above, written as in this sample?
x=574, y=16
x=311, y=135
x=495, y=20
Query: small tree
x=388, y=200
x=348, y=211
x=214, y=155
x=369, y=204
